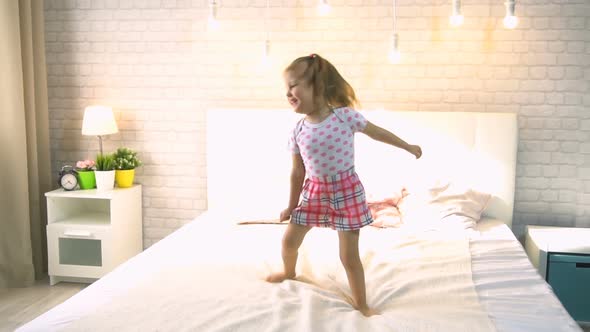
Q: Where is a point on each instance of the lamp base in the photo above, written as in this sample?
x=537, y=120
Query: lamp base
x=100, y=143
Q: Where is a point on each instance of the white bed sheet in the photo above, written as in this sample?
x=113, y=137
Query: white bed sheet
x=507, y=286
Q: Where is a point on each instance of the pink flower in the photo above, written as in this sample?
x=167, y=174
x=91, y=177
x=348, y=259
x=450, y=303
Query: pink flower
x=85, y=165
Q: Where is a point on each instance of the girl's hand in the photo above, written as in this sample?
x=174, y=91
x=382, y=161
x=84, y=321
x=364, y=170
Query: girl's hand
x=415, y=150
x=285, y=214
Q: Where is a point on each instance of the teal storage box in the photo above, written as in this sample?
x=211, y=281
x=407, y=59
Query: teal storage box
x=569, y=276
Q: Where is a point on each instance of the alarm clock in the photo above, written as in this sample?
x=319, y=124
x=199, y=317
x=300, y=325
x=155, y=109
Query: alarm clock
x=68, y=178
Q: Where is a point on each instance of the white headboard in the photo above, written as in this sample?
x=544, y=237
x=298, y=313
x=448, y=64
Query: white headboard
x=248, y=164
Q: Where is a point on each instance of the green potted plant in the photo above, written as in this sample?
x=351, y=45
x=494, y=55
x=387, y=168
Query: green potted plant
x=85, y=170
x=125, y=161
x=105, y=172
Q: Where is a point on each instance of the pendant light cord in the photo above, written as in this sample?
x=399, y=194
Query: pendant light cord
x=266, y=20
x=394, y=17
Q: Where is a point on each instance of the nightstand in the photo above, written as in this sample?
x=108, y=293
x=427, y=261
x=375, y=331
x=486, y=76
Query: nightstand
x=562, y=257
x=91, y=232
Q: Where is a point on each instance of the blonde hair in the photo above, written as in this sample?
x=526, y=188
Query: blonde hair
x=326, y=81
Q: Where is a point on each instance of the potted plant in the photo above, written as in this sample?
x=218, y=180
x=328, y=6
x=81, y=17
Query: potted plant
x=105, y=172
x=125, y=163
x=85, y=170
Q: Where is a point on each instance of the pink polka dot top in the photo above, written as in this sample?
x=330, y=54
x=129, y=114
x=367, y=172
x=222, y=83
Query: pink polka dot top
x=327, y=148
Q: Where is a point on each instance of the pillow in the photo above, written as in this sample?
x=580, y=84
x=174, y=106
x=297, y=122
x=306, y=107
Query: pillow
x=383, y=207
x=444, y=202
x=385, y=213
x=464, y=202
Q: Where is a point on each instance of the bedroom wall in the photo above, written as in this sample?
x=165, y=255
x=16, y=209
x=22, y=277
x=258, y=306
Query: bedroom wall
x=159, y=68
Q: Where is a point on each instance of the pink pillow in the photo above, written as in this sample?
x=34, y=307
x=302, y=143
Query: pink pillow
x=385, y=213
x=384, y=209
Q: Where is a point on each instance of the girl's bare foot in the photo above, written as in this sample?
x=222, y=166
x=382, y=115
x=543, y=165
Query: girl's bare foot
x=368, y=312
x=278, y=277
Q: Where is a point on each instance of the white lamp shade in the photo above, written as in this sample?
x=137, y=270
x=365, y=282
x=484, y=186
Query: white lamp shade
x=99, y=120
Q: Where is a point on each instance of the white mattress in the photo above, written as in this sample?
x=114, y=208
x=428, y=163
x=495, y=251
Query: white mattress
x=207, y=276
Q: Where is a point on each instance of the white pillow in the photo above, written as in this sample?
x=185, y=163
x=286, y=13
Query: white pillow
x=444, y=202
x=464, y=202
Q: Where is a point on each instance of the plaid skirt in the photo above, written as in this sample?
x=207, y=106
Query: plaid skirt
x=336, y=201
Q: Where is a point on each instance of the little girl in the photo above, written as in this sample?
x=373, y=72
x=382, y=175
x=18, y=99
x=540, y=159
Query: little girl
x=322, y=144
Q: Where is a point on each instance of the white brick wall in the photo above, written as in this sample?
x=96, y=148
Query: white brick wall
x=154, y=62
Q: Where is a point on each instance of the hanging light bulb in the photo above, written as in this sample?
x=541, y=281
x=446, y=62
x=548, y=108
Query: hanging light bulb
x=212, y=22
x=510, y=21
x=324, y=8
x=266, y=51
x=456, y=18
x=265, y=62
x=394, y=54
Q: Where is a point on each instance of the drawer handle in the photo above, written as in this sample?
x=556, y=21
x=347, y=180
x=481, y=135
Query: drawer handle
x=78, y=233
x=583, y=265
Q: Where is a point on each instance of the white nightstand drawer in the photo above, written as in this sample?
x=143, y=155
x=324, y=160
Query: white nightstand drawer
x=78, y=250
x=90, y=232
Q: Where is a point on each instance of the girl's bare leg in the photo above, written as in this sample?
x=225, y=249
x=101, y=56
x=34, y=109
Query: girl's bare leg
x=349, y=255
x=292, y=240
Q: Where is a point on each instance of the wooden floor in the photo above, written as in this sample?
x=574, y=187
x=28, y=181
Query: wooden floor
x=20, y=305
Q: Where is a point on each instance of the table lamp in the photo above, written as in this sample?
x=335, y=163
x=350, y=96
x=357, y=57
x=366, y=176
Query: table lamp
x=99, y=121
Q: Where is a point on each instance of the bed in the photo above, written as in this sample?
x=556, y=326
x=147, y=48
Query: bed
x=461, y=271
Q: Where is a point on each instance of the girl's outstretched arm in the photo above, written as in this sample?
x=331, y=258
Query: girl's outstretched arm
x=383, y=135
